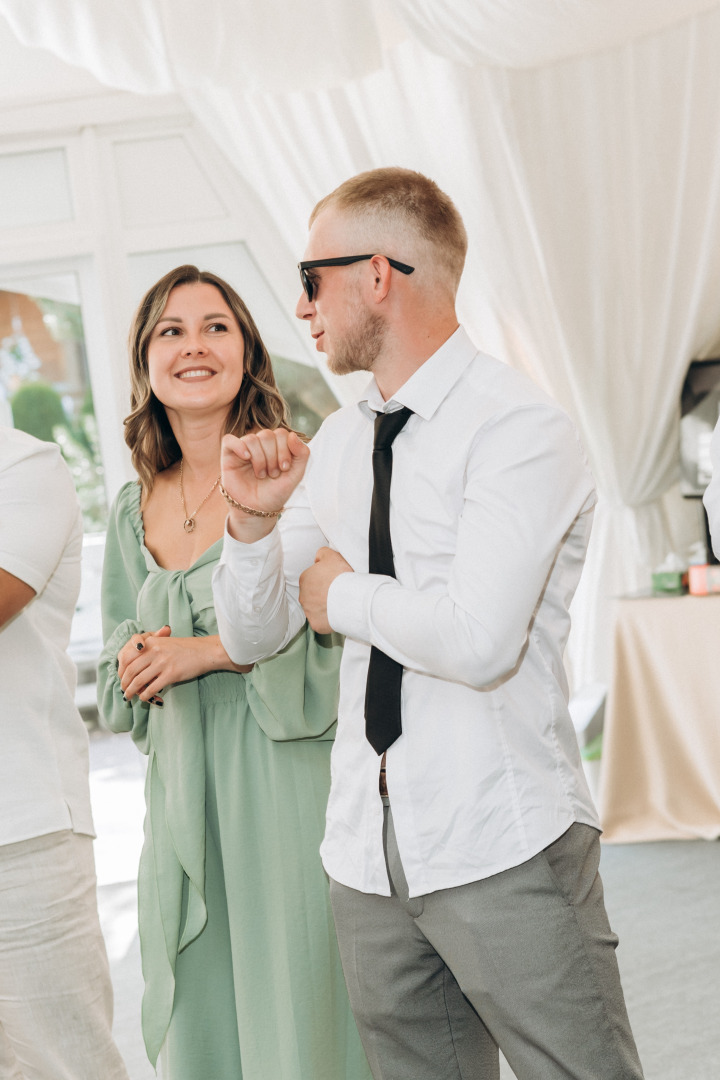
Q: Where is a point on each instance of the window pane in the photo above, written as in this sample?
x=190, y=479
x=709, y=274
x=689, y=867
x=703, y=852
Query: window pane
x=306, y=392
x=44, y=376
x=34, y=189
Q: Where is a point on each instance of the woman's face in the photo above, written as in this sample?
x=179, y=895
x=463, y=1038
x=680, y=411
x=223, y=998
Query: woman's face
x=195, y=353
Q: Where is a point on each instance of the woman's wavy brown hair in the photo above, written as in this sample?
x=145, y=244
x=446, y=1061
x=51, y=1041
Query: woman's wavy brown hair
x=258, y=404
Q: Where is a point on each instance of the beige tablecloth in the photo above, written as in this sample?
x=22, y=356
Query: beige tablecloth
x=660, y=774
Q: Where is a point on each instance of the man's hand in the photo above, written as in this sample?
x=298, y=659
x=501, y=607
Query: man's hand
x=315, y=583
x=261, y=470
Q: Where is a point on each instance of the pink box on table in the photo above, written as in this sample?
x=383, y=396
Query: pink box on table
x=703, y=580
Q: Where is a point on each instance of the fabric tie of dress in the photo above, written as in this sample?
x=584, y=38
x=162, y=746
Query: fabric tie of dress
x=383, y=722
x=175, y=786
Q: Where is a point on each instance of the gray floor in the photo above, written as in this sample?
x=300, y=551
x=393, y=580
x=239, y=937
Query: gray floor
x=117, y=776
x=663, y=900
x=664, y=903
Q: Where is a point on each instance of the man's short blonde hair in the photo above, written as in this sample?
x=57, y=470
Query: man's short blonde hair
x=394, y=207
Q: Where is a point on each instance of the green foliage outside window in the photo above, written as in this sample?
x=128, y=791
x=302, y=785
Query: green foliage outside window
x=37, y=409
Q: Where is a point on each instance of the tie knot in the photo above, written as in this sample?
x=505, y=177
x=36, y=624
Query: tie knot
x=388, y=425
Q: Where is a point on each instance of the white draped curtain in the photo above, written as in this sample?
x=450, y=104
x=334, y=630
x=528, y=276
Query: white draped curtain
x=530, y=33
x=579, y=138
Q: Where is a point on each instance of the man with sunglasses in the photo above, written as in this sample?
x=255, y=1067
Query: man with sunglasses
x=448, y=515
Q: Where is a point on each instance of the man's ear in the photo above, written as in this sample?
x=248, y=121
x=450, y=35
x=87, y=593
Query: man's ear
x=382, y=277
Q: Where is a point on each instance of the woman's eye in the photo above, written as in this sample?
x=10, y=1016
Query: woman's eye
x=169, y=331
x=217, y=327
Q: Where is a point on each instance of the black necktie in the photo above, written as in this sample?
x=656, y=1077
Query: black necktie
x=383, y=722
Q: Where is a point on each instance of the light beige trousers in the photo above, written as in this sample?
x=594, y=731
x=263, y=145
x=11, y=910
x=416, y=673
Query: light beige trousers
x=56, y=998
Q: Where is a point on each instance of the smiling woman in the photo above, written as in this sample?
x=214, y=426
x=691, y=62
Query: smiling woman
x=204, y=315
x=238, y=770
x=195, y=353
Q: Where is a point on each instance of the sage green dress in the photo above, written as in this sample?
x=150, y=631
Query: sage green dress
x=242, y=974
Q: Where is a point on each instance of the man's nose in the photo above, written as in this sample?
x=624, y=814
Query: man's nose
x=305, y=308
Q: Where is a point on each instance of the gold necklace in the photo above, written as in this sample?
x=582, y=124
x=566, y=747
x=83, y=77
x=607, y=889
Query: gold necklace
x=189, y=522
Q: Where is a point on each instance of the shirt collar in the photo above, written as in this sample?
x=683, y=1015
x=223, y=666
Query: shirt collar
x=428, y=387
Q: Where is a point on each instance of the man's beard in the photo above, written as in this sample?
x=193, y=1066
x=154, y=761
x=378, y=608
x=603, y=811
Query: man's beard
x=361, y=345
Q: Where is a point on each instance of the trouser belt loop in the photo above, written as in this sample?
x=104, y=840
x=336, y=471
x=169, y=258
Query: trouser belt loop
x=383, y=777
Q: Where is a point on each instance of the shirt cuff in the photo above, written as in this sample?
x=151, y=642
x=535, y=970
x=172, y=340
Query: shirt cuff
x=349, y=603
x=246, y=561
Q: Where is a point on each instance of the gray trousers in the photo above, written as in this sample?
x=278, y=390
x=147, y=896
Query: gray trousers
x=524, y=961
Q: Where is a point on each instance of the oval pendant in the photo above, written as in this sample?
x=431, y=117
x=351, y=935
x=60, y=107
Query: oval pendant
x=189, y=524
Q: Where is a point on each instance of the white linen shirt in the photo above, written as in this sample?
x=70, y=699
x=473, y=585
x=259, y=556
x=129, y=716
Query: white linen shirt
x=491, y=507
x=44, y=763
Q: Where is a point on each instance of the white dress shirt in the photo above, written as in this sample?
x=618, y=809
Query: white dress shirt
x=711, y=498
x=491, y=507
x=44, y=763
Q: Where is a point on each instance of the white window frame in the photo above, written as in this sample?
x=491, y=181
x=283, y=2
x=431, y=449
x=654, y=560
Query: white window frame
x=107, y=384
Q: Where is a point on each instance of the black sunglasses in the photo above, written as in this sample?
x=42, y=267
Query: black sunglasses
x=309, y=285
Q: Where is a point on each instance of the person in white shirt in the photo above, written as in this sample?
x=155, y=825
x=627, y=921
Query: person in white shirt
x=461, y=843
x=711, y=498
x=55, y=992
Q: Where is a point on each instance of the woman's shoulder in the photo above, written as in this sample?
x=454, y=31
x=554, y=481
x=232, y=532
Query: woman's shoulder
x=128, y=497
x=125, y=512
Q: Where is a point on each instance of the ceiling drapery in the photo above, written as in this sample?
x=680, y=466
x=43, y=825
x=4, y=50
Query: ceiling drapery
x=160, y=46
x=578, y=139
x=149, y=46
x=525, y=33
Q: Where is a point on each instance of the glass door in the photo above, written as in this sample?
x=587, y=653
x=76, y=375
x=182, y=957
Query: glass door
x=45, y=389
x=45, y=382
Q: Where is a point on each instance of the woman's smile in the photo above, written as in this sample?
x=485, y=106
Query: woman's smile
x=195, y=373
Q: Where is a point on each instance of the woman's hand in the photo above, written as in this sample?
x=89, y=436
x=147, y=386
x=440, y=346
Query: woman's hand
x=129, y=654
x=151, y=661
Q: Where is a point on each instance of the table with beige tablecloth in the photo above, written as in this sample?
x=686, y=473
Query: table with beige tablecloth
x=660, y=775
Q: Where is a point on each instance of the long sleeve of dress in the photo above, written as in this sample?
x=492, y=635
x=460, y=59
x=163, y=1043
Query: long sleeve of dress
x=124, y=571
x=294, y=695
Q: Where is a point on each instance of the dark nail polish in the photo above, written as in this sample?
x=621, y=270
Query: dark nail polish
x=139, y=645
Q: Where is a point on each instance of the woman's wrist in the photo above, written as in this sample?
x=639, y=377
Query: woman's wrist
x=248, y=529
x=222, y=661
